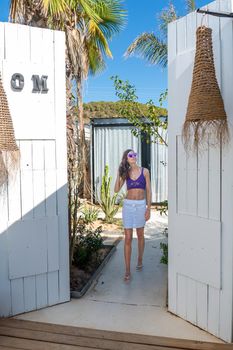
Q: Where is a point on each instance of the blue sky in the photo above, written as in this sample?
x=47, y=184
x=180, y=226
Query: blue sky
x=149, y=81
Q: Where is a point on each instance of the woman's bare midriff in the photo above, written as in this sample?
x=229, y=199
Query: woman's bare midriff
x=135, y=193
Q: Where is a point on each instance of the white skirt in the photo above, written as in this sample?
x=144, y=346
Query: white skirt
x=133, y=213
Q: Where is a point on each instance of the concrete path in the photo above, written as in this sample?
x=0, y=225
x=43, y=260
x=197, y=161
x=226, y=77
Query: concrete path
x=138, y=306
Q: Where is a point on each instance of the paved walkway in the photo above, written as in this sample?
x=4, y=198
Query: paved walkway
x=138, y=306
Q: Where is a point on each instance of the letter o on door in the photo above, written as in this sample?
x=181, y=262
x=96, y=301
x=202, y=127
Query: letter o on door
x=17, y=82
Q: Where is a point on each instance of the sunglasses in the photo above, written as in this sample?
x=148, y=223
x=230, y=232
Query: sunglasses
x=132, y=155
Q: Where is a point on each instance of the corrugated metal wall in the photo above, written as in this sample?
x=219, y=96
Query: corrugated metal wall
x=109, y=145
x=159, y=169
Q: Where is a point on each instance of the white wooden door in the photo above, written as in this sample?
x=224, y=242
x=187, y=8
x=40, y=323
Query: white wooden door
x=34, y=249
x=200, y=187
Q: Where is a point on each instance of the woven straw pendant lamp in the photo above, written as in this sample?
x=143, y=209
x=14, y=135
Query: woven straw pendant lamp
x=9, y=151
x=205, y=113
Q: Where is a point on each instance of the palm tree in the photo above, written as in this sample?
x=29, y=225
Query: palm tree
x=151, y=47
x=88, y=26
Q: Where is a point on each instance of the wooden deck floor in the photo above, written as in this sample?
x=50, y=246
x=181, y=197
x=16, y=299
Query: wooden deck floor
x=20, y=334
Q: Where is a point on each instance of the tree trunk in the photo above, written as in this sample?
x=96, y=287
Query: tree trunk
x=83, y=149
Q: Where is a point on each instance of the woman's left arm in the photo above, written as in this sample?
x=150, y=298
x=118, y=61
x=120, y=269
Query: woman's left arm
x=148, y=194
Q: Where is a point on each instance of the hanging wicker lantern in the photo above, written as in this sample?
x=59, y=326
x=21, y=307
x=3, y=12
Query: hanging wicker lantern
x=9, y=151
x=205, y=113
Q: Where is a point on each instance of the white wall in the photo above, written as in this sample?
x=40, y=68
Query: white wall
x=200, y=187
x=34, y=262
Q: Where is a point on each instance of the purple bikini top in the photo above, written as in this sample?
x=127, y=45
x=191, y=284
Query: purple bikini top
x=140, y=182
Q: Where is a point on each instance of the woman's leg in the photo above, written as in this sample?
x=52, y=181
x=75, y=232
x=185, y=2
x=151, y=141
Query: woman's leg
x=127, y=249
x=141, y=244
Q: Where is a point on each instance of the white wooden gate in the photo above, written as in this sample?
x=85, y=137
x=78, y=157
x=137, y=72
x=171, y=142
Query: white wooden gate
x=200, y=187
x=34, y=261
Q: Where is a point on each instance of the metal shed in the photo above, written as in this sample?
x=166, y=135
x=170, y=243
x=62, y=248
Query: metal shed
x=110, y=138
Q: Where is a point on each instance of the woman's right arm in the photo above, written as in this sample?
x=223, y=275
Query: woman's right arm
x=119, y=183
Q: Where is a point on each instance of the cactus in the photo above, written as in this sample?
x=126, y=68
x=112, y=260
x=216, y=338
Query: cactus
x=108, y=202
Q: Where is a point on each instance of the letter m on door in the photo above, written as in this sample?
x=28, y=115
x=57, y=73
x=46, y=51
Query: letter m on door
x=40, y=84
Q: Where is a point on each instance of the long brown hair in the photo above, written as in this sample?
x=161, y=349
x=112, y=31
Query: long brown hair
x=124, y=165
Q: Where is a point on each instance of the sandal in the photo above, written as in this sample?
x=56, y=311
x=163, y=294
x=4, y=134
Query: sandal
x=139, y=267
x=127, y=277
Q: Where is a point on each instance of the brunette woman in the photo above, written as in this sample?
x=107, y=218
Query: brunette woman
x=136, y=206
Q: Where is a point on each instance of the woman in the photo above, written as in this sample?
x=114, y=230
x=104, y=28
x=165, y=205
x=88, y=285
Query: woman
x=137, y=204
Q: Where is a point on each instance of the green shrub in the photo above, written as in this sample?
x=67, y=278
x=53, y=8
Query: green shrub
x=89, y=214
x=164, y=258
x=108, y=202
x=87, y=246
x=163, y=207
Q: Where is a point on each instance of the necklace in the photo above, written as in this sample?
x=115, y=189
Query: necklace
x=133, y=177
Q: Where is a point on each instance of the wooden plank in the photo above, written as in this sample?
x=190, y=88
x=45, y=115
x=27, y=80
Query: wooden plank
x=225, y=331
x=59, y=100
x=5, y=288
x=7, y=347
x=225, y=5
x=181, y=35
x=203, y=185
x=191, y=184
x=16, y=343
x=17, y=297
x=172, y=45
x=2, y=41
x=191, y=25
x=26, y=155
x=192, y=244
x=214, y=23
x=39, y=193
x=173, y=162
x=3, y=211
x=213, y=310
x=14, y=198
x=94, y=334
x=26, y=194
x=50, y=192
x=61, y=166
x=32, y=247
x=214, y=183
x=38, y=178
x=84, y=342
x=181, y=177
x=48, y=45
x=50, y=154
x=181, y=296
x=17, y=41
x=202, y=305
x=52, y=243
x=41, y=291
x=38, y=161
x=36, y=41
x=29, y=284
x=191, y=301
x=173, y=208
x=53, y=288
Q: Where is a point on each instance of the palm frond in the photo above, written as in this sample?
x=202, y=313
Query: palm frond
x=88, y=7
x=96, y=61
x=191, y=5
x=149, y=47
x=113, y=16
x=54, y=7
x=167, y=16
x=99, y=37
